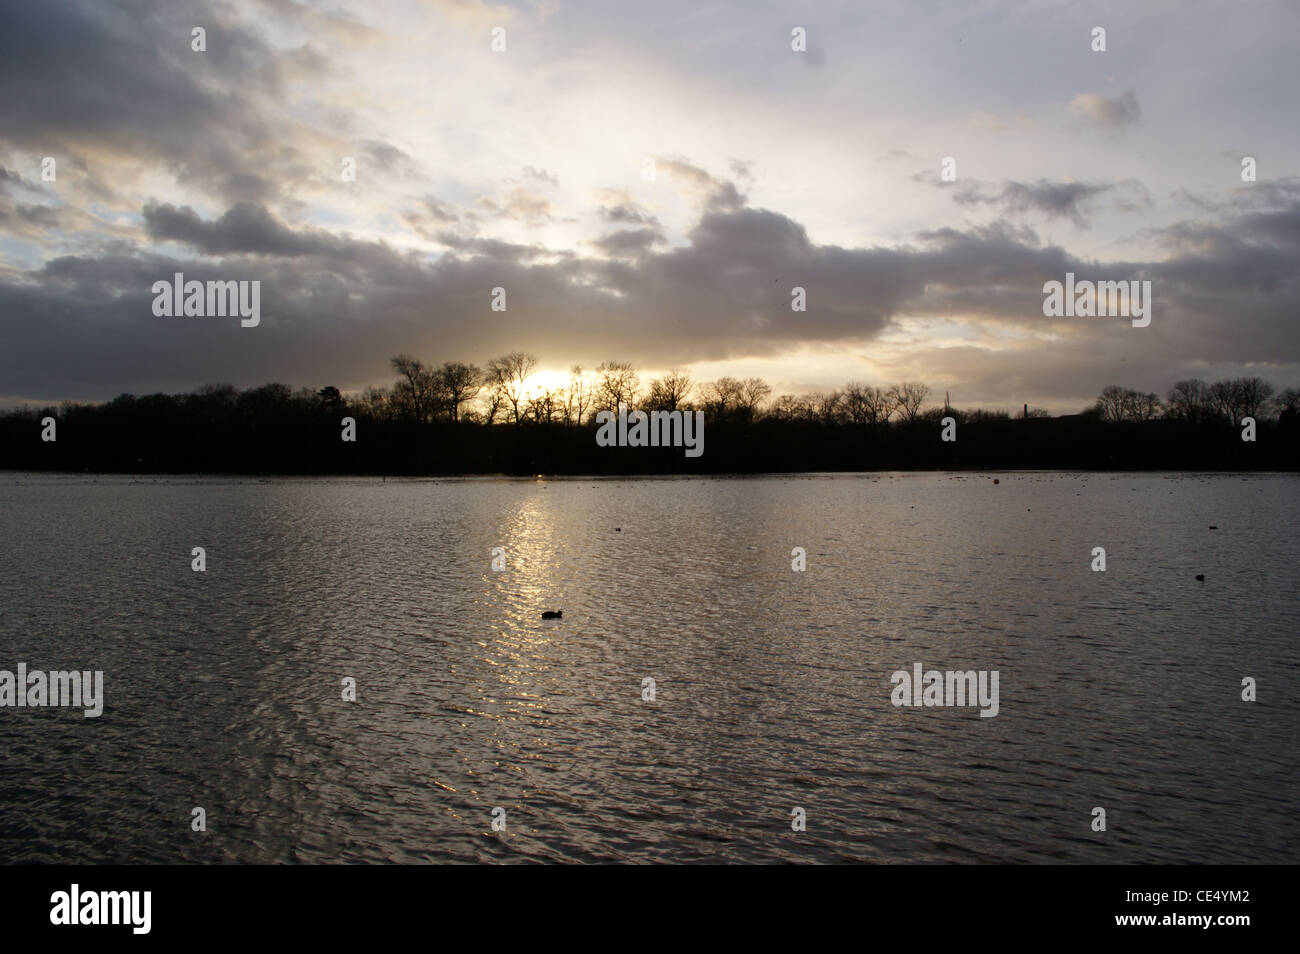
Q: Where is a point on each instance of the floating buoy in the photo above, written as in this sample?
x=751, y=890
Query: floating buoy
x=995, y=480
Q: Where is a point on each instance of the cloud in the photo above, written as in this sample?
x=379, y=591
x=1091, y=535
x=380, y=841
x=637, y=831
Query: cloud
x=522, y=170
x=628, y=243
x=431, y=216
x=541, y=175
x=494, y=249
x=244, y=229
x=718, y=193
x=1107, y=113
x=9, y=180
x=625, y=211
x=522, y=205
x=335, y=308
x=1056, y=200
x=741, y=169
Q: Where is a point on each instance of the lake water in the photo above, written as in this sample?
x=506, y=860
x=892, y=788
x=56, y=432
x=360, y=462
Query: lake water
x=1118, y=689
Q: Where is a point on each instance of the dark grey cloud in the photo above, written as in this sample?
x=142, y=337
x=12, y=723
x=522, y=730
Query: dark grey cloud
x=335, y=309
x=1056, y=200
x=717, y=193
x=387, y=156
x=107, y=85
x=378, y=159
x=120, y=76
x=493, y=249
x=11, y=180
x=44, y=216
x=628, y=243
x=20, y=219
x=628, y=212
x=430, y=218
x=245, y=228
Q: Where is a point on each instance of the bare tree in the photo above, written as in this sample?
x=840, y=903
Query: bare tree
x=1140, y=407
x=506, y=376
x=1190, y=400
x=544, y=408
x=413, y=396
x=880, y=404
x=753, y=392
x=855, y=403
x=1226, y=400
x=797, y=409
x=375, y=401
x=908, y=398
x=867, y=405
x=493, y=397
x=723, y=396
x=1116, y=405
x=1253, y=396
x=670, y=392
x=1110, y=404
x=578, y=397
x=617, y=383
x=458, y=384
x=831, y=407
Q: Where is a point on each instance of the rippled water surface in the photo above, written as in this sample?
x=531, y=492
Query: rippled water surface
x=1119, y=689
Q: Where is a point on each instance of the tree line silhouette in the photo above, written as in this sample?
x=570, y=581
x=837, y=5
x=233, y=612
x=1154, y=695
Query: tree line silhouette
x=458, y=418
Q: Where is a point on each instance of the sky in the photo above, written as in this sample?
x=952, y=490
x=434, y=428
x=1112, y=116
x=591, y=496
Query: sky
x=528, y=168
